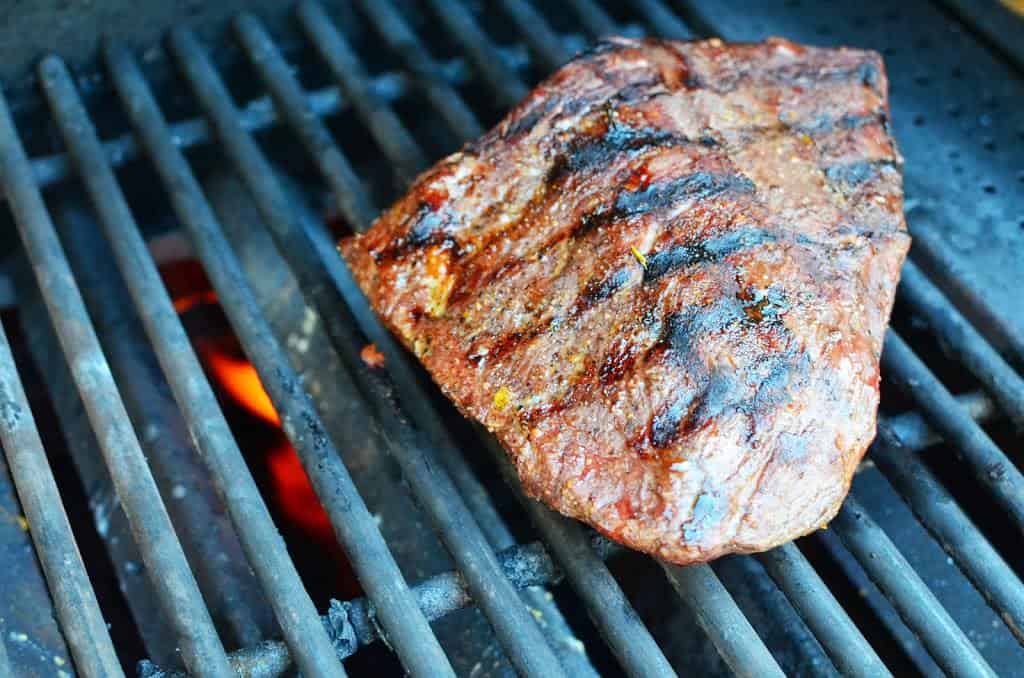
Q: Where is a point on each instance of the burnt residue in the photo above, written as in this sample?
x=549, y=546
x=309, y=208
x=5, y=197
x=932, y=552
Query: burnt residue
x=824, y=123
x=852, y=121
x=426, y=227
x=663, y=262
x=718, y=396
x=777, y=374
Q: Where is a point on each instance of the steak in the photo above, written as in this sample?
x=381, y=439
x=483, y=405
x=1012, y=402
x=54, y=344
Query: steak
x=663, y=282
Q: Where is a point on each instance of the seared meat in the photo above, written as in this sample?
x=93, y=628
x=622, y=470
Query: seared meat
x=663, y=282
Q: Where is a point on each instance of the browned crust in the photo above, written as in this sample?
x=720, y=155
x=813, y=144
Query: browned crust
x=663, y=282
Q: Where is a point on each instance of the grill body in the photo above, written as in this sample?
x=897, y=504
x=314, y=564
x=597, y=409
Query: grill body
x=239, y=140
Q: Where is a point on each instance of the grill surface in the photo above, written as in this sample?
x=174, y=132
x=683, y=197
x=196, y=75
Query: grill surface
x=966, y=212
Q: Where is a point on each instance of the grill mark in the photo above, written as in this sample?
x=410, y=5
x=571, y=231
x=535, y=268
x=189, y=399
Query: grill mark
x=617, y=362
x=867, y=73
x=526, y=122
x=680, y=334
x=428, y=228
x=599, y=150
x=597, y=291
x=825, y=123
x=507, y=343
x=689, y=413
x=593, y=293
x=695, y=186
x=858, y=172
x=663, y=262
x=757, y=306
x=665, y=424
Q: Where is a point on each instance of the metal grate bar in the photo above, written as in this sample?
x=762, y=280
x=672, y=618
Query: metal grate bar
x=838, y=635
x=723, y=621
x=663, y=20
x=543, y=41
x=528, y=565
x=998, y=23
x=172, y=579
x=462, y=536
x=385, y=127
x=606, y=602
x=462, y=27
x=953, y=530
x=264, y=547
x=5, y=664
x=916, y=604
x=426, y=73
x=609, y=608
x=258, y=114
x=993, y=470
x=259, y=177
x=425, y=416
x=78, y=611
x=963, y=342
x=713, y=610
x=378, y=572
x=593, y=18
x=433, y=489
x=954, y=278
x=293, y=107
x=913, y=430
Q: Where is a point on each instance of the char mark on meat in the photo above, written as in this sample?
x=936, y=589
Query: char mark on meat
x=662, y=282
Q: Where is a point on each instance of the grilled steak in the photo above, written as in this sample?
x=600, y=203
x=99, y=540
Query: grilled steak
x=663, y=282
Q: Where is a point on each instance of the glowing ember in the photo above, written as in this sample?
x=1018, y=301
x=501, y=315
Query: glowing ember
x=372, y=356
x=302, y=506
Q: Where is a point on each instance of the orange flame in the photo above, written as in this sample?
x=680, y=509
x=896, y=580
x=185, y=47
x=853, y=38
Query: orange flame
x=222, y=356
x=240, y=380
x=299, y=501
x=291, y=485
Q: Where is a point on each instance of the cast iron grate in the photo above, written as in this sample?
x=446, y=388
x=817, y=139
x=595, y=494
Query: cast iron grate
x=491, y=567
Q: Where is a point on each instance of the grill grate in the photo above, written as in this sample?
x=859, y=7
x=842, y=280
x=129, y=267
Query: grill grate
x=491, y=566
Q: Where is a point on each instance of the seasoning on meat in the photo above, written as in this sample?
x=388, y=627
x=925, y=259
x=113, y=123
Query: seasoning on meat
x=718, y=396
